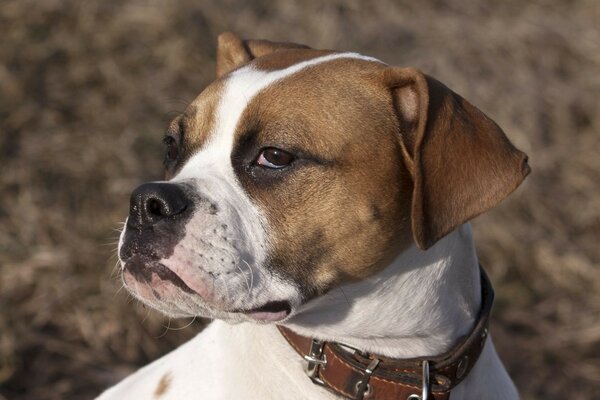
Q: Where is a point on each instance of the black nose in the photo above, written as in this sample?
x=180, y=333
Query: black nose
x=153, y=202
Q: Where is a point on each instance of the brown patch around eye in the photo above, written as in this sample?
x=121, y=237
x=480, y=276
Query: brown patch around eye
x=163, y=385
x=343, y=219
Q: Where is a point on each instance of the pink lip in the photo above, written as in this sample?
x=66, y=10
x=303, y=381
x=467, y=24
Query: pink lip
x=193, y=282
x=271, y=311
x=268, y=316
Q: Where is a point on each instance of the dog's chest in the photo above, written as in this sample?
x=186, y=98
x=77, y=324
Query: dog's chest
x=223, y=362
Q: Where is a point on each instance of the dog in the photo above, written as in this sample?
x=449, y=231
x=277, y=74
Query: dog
x=316, y=206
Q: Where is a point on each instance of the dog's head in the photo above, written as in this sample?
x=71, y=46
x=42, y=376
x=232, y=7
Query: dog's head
x=298, y=170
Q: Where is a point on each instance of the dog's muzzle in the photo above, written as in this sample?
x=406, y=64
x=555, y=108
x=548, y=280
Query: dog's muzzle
x=158, y=213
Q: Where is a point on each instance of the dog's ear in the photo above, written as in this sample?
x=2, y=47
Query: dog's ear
x=461, y=162
x=233, y=52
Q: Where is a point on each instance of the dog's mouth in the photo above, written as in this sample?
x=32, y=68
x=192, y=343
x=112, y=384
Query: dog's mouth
x=154, y=274
x=270, y=312
x=138, y=267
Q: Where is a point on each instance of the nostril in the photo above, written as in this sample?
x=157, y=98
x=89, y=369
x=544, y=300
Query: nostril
x=155, y=207
x=155, y=201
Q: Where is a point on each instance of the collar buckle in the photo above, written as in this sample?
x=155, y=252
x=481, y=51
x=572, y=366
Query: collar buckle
x=316, y=359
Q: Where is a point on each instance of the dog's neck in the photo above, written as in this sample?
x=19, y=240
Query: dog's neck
x=420, y=305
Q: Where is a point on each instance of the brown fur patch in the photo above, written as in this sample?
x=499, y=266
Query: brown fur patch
x=342, y=211
x=163, y=385
x=195, y=125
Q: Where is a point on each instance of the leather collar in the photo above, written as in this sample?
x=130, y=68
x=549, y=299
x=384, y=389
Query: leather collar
x=359, y=375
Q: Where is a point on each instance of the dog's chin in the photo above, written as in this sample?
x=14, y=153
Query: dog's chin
x=262, y=315
x=187, y=309
x=161, y=289
x=270, y=312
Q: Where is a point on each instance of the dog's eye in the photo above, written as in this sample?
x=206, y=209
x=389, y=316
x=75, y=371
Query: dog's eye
x=172, y=151
x=274, y=158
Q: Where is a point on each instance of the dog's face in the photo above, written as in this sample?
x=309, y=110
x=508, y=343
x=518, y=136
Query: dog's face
x=298, y=170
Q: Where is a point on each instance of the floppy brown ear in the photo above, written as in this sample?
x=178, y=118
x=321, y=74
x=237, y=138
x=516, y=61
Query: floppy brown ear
x=461, y=162
x=233, y=52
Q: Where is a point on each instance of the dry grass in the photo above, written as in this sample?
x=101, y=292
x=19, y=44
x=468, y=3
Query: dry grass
x=86, y=89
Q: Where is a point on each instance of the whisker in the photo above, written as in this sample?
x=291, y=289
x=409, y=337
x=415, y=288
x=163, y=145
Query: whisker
x=251, y=276
x=245, y=277
x=183, y=327
x=116, y=269
x=167, y=328
x=226, y=288
x=179, y=100
x=147, y=312
x=118, y=291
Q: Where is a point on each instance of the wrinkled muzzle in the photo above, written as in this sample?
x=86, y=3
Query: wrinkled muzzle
x=197, y=248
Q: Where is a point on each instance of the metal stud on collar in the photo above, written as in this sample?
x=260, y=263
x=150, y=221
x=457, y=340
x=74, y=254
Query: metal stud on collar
x=425, y=388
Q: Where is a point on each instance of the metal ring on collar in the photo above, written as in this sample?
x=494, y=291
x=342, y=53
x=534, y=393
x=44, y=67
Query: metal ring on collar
x=363, y=389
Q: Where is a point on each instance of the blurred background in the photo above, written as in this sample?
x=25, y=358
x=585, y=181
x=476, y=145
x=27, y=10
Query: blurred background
x=87, y=89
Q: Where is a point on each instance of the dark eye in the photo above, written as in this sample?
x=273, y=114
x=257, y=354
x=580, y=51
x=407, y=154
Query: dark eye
x=274, y=158
x=172, y=151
